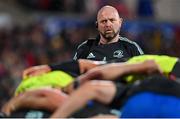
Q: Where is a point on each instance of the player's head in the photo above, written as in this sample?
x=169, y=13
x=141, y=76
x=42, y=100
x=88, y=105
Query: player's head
x=108, y=22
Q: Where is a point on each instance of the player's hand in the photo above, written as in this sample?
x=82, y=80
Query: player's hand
x=48, y=99
x=151, y=67
x=36, y=70
x=9, y=106
x=86, y=65
x=105, y=72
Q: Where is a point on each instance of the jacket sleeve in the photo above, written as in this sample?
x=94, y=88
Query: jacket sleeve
x=132, y=47
x=135, y=49
x=81, y=51
x=71, y=67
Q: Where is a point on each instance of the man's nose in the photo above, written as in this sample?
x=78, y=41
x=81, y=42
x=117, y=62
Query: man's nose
x=108, y=23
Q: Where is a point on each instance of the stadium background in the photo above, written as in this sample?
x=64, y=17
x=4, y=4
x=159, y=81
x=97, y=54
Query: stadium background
x=34, y=32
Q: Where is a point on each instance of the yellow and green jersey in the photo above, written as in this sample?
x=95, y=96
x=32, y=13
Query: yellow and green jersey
x=166, y=64
x=53, y=79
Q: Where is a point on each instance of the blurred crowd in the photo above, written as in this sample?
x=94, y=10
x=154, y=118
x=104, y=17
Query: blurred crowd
x=54, y=40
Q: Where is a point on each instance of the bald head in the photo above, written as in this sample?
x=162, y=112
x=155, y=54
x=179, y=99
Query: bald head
x=107, y=10
x=109, y=23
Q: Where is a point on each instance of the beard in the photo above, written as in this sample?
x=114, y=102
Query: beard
x=109, y=35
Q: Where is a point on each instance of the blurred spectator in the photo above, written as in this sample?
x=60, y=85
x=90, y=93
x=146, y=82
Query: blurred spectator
x=76, y=6
x=51, y=5
x=5, y=21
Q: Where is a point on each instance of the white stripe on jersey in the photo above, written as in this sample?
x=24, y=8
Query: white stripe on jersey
x=132, y=42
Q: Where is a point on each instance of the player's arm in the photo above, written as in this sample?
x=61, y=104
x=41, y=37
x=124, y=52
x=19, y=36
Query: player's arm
x=115, y=70
x=47, y=99
x=72, y=67
x=101, y=91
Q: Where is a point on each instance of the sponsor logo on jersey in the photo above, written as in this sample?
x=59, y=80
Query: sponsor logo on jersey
x=118, y=54
x=91, y=55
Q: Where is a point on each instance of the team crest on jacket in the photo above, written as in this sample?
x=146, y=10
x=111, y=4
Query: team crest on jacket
x=118, y=54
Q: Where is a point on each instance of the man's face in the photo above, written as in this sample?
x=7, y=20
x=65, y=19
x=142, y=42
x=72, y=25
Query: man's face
x=109, y=23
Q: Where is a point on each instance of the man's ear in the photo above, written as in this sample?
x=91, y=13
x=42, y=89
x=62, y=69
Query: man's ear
x=120, y=20
x=96, y=24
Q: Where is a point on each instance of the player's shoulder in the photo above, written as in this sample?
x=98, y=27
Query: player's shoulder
x=130, y=43
x=127, y=41
x=87, y=42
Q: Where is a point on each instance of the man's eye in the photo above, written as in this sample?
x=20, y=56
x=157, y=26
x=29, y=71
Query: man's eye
x=112, y=20
x=104, y=21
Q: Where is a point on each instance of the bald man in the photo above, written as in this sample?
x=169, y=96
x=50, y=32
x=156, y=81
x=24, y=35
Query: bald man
x=109, y=45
